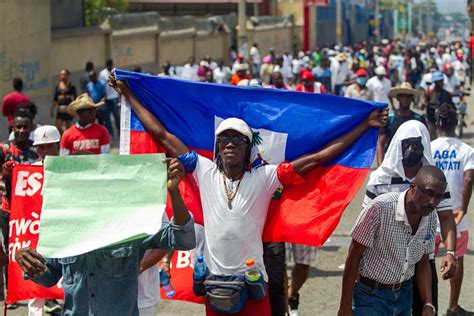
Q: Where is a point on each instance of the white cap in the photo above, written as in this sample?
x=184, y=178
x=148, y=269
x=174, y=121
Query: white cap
x=380, y=71
x=46, y=134
x=235, y=124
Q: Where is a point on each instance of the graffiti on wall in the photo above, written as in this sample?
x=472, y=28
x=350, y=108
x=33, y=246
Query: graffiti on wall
x=29, y=70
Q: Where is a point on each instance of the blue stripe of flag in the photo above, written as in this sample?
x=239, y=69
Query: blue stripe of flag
x=187, y=109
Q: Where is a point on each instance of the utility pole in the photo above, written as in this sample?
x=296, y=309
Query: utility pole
x=377, y=21
x=339, y=22
x=242, y=36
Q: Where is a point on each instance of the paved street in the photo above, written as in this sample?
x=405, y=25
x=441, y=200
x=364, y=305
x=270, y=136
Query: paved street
x=320, y=295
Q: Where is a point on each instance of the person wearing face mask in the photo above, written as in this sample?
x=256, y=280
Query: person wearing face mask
x=358, y=90
x=408, y=151
x=405, y=96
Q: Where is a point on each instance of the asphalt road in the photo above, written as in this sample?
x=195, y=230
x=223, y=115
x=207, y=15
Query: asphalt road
x=320, y=295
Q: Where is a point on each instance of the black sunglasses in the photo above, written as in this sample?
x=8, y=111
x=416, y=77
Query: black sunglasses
x=224, y=140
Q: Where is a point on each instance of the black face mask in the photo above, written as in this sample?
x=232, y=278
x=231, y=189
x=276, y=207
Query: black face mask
x=411, y=158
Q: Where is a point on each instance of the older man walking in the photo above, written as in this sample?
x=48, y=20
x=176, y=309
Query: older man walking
x=392, y=234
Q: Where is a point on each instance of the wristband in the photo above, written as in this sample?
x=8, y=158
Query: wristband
x=430, y=306
x=450, y=252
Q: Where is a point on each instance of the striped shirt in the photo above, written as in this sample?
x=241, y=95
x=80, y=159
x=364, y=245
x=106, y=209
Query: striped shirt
x=392, y=251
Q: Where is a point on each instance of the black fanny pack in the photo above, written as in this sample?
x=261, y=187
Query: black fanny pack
x=226, y=293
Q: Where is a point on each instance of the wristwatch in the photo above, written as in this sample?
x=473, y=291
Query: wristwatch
x=451, y=253
x=430, y=306
x=165, y=260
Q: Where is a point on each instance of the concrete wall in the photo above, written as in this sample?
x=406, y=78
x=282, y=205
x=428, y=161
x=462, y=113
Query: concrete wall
x=24, y=30
x=176, y=47
x=73, y=49
x=134, y=48
x=218, y=44
x=279, y=38
x=30, y=50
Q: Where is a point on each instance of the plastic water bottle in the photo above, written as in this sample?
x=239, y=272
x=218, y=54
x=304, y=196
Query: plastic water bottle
x=166, y=284
x=200, y=269
x=252, y=274
x=254, y=280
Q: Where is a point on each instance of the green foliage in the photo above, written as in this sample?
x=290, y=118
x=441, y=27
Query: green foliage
x=96, y=11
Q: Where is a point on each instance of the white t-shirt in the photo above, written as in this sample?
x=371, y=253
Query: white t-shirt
x=221, y=74
x=110, y=92
x=380, y=89
x=234, y=235
x=255, y=55
x=450, y=83
x=149, y=287
x=454, y=157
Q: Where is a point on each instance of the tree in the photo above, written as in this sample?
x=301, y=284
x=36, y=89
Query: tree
x=97, y=11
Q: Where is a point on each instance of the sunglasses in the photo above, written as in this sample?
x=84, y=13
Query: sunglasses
x=430, y=193
x=224, y=140
x=416, y=145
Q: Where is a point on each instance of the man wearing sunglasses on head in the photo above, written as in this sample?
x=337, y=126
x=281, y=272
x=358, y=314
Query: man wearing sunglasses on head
x=234, y=196
x=407, y=153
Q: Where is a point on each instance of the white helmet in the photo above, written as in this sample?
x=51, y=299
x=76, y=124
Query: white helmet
x=46, y=134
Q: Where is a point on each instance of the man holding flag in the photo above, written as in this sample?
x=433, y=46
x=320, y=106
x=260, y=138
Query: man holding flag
x=235, y=197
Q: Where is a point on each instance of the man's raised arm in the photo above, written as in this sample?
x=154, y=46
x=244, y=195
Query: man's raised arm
x=306, y=163
x=172, y=144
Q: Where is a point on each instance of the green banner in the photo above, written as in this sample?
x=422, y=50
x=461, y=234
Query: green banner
x=90, y=202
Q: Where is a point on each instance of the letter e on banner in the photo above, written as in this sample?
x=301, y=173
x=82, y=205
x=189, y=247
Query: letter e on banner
x=26, y=202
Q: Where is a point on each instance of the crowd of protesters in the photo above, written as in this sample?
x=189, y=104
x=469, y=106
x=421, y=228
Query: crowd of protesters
x=385, y=273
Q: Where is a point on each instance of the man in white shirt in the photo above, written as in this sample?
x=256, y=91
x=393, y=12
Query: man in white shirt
x=339, y=71
x=456, y=160
x=111, y=99
x=380, y=85
x=235, y=198
x=256, y=60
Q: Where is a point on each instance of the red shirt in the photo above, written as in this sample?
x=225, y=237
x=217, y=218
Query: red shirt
x=320, y=87
x=471, y=45
x=10, y=102
x=94, y=139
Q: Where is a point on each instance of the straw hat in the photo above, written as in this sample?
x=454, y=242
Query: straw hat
x=341, y=57
x=82, y=102
x=404, y=88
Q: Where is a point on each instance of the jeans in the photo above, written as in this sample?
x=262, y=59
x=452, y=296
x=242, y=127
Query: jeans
x=368, y=301
x=274, y=258
x=111, y=107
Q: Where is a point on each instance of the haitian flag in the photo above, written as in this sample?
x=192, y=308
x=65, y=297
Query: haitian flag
x=286, y=125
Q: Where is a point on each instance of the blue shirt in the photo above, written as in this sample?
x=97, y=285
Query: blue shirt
x=105, y=281
x=96, y=90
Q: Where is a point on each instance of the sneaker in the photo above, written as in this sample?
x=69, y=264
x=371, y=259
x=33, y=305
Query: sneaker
x=52, y=306
x=293, y=303
x=459, y=311
x=12, y=306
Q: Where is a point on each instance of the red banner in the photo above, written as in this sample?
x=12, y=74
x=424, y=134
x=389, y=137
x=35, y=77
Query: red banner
x=26, y=201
